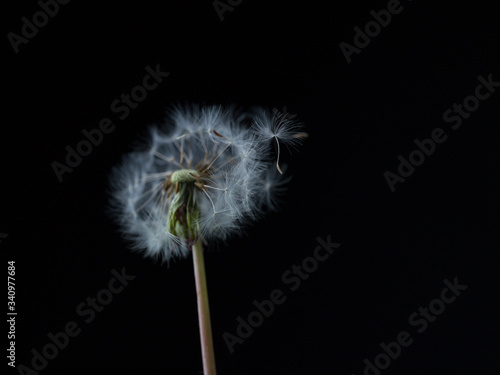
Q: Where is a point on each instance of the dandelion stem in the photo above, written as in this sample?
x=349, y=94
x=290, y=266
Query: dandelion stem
x=207, y=347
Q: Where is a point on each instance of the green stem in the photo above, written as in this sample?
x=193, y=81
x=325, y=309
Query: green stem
x=207, y=346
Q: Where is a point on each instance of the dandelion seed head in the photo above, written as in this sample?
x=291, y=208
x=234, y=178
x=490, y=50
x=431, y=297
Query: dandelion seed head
x=206, y=173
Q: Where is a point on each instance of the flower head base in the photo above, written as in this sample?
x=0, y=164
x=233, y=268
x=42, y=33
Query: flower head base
x=205, y=175
x=184, y=212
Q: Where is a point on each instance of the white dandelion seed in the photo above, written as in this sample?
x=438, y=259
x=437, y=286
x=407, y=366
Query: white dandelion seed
x=205, y=174
x=279, y=128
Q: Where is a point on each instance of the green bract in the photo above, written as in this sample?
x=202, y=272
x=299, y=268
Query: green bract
x=184, y=212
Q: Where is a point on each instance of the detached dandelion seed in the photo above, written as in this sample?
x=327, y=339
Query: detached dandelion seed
x=202, y=177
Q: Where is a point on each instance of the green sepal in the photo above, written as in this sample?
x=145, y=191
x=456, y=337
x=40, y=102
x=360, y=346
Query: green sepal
x=184, y=211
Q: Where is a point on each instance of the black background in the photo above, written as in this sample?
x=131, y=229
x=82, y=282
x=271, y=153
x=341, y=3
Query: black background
x=396, y=248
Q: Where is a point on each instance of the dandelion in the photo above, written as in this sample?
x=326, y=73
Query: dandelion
x=200, y=178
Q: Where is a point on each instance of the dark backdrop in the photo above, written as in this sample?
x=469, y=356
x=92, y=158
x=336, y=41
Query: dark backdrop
x=397, y=248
